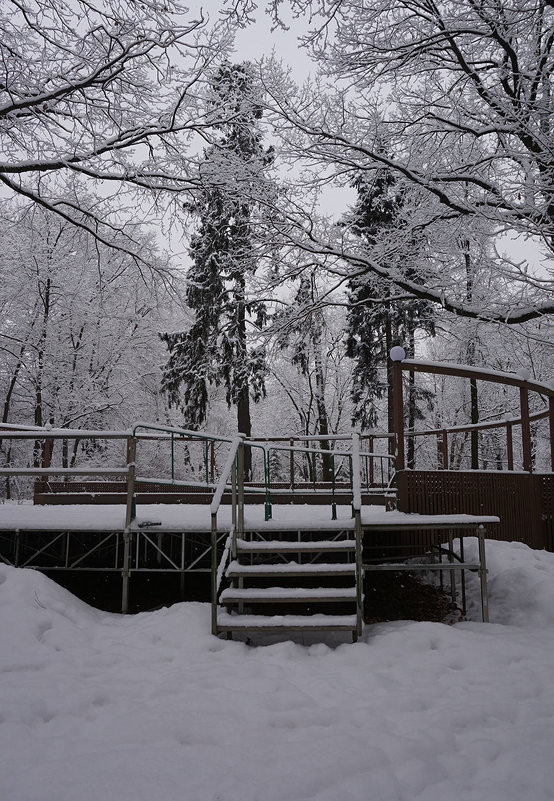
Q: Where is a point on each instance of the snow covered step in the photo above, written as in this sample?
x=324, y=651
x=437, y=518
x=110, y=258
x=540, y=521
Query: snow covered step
x=236, y=570
x=227, y=622
x=288, y=595
x=287, y=546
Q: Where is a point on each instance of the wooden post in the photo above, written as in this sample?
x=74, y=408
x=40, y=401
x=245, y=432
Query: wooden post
x=525, y=429
x=510, y=445
x=551, y=421
x=398, y=413
x=444, y=449
x=212, y=462
x=47, y=451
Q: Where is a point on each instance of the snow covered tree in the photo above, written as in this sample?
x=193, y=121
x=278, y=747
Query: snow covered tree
x=225, y=251
x=304, y=334
x=377, y=319
x=465, y=91
x=78, y=332
x=103, y=93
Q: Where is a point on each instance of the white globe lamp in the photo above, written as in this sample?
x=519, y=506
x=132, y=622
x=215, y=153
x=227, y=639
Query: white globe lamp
x=397, y=353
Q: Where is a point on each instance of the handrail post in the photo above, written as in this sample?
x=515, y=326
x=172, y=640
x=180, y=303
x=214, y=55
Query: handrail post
x=130, y=513
x=240, y=486
x=333, y=487
x=267, y=484
x=214, y=572
x=291, y=464
x=172, y=456
x=371, y=477
x=357, y=513
x=525, y=429
x=234, y=493
x=359, y=571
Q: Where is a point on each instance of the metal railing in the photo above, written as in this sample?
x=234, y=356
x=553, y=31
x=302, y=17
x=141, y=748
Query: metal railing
x=232, y=472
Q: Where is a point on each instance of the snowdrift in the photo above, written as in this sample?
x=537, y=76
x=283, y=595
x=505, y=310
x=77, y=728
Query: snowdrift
x=96, y=705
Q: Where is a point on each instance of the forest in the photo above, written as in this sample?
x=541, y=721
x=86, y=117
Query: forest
x=197, y=238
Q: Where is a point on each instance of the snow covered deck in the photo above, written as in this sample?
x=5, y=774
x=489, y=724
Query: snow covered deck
x=196, y=518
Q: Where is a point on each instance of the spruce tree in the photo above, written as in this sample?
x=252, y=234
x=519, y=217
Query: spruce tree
x=376, y=320
x=214, y=351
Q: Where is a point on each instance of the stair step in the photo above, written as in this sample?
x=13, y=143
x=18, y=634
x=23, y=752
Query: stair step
x=278, y=623
x=288, y=595
x=288, y=546
x=236, y=570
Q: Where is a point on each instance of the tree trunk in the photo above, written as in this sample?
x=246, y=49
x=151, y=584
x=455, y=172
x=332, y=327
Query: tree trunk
x=244, y=421
x=41, y=348
x=244, y=424
x=322, y=416
x=474, y=398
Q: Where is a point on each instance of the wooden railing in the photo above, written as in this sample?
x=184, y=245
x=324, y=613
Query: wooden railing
x=520, y=381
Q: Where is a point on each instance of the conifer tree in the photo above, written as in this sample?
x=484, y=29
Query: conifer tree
x=225, y=252
x=376, y=320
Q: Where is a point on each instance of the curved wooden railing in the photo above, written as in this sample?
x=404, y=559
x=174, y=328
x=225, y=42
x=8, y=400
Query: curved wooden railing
x=520, y=381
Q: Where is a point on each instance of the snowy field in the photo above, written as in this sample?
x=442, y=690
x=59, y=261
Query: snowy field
x=153, y=708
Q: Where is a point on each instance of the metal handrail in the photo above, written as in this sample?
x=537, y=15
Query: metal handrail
x=229, y=472
x=357, y=513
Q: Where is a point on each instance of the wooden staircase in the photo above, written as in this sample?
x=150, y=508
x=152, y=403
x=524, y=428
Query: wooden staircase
x=296, y=581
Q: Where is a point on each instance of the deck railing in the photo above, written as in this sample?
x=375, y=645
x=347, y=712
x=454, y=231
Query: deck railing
x=520, y=381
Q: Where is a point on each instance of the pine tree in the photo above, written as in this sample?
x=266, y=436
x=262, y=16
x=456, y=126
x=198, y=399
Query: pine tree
x=215, y=351
x=376, y=320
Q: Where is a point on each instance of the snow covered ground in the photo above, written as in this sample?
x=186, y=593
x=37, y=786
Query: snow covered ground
x=153, y=708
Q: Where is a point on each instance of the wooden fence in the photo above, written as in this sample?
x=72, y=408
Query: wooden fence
x=524, y=502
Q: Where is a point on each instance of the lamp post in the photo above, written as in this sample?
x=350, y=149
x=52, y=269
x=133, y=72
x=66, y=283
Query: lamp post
x=397, y=355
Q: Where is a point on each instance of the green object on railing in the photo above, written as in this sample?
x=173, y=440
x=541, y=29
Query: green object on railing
x=352, y=484
x=206, y=456
x=267, y=504
x=333, y=485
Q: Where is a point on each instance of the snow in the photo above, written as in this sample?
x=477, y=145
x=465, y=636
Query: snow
x=101, y=706
x=196, y=517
